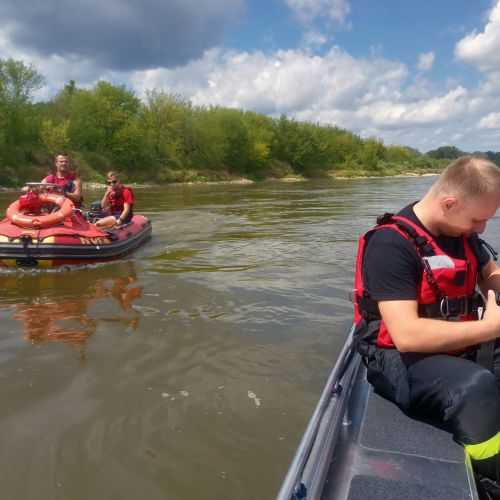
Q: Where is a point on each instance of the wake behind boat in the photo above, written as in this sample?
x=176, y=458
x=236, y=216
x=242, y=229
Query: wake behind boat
x=51, y=233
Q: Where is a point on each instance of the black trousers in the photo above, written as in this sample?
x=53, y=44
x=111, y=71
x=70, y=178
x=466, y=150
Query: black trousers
x=454, y=393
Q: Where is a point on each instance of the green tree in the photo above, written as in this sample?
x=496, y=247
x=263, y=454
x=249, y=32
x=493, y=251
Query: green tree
x=235, y=138
x=494, y=157
x=105, y=120
x=448, y=152
x=399, y=154
x=371, y=153
x=55, y=137
x=164, y=120
x=85, y=133
x=204, y=144
x=18, y=82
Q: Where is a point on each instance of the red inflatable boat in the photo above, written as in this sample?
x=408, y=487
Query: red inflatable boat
x=62, y=235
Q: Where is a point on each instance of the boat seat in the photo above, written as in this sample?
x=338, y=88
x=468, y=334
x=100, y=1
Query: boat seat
x=384, y=454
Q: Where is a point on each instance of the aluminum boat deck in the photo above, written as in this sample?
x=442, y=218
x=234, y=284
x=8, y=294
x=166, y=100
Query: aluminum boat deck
x=358, y=445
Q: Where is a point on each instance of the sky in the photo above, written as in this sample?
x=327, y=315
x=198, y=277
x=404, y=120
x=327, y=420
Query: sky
x=418, y=73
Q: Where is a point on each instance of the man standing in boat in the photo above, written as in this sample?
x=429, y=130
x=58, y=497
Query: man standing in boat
x=120, y=199
x=416, y=310
x=68, y=180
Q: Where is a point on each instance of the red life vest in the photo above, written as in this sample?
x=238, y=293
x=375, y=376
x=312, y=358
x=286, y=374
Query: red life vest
x=446, y=289
x=67, y=183
x=116, y=202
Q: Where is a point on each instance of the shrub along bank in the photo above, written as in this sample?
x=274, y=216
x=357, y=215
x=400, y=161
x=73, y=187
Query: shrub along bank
x=164, y=138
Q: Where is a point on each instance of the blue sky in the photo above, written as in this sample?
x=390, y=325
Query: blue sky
x=417, y=73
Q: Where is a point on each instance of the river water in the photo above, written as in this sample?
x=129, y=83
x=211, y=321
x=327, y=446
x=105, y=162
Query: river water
x=190, y=369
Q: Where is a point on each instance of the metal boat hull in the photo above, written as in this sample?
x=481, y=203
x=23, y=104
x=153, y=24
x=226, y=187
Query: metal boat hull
x=358, y=445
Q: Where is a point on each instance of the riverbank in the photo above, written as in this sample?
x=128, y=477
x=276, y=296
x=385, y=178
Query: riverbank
x=94, y=185
x=98, y=185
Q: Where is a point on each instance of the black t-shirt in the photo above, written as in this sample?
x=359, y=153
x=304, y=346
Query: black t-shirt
x=392, y=269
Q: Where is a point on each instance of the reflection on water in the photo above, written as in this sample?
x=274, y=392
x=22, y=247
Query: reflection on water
x=205, y=351
x=45, y=317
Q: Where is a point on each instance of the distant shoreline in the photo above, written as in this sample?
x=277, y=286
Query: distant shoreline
x=97, y=185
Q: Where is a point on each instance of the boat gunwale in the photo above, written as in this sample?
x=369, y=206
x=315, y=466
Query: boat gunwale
x=333, y=389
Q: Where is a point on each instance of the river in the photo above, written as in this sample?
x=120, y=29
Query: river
x=188, y=370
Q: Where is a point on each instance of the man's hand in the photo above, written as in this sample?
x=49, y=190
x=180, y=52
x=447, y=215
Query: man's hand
x=492, y=313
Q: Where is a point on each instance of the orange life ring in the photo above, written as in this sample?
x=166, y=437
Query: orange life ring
x=66, y=207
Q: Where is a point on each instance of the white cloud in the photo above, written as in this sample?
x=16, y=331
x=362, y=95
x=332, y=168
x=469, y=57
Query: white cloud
x=289, y=81
x=433, y=111
x=425, y=61
x=482, y=49
x=374, y=97
x=313, y=40
x=307, y=11
x=490, y=121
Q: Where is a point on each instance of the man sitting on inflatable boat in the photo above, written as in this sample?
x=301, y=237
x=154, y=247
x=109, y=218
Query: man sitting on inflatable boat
x=69, y=181
x=120, y=199
x=70, y=184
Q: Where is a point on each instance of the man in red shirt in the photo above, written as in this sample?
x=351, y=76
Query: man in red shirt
x=120, y=199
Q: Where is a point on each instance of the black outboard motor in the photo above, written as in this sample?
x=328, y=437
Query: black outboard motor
x=96, y=212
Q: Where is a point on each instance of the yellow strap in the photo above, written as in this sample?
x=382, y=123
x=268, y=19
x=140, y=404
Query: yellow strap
x=484, y=450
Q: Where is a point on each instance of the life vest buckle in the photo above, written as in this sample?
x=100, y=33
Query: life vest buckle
x=444, y=307
x=464, y=305
x=459, y=306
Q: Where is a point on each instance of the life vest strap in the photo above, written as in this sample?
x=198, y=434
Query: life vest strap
x=447, y=307
x=443, y=308
x=368, y=308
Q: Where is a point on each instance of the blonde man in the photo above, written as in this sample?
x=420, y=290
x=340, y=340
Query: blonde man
x=120, y=199
x=417, y=308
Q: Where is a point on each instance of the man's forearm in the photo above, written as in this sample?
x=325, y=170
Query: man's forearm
x=434, y=336
x=410, y=333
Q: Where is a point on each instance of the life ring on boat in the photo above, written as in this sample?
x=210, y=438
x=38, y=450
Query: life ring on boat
x=66, y=207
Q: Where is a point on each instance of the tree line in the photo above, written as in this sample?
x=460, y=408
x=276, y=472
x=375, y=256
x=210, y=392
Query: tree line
x=165, y=138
